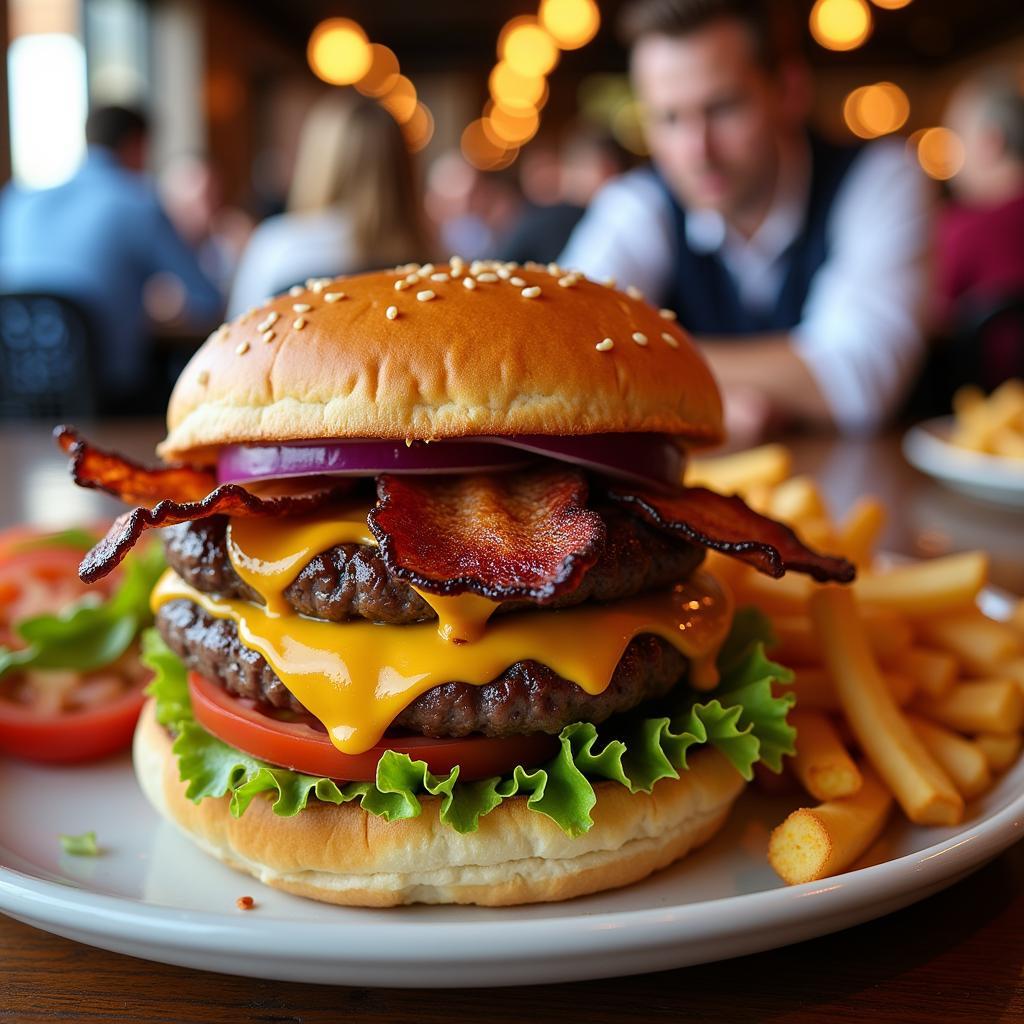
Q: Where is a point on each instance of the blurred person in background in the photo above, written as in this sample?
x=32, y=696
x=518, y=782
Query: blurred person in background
x=191, y=191
x=471, y=209
x=586, y=161
x=980, y=238
x=799, y=265
x=353, y=204
x=104, y=240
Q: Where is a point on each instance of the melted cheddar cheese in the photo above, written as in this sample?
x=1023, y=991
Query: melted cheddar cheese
x=357, y=676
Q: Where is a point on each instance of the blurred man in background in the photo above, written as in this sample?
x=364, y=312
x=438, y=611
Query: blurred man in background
x=103, y=239
x=799, y=265
x=586, y=160
x=980, y=239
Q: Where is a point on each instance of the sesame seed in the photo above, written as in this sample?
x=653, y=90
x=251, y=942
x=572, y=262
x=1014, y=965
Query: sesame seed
x=334, y=296
x=567, y=282
x=268, y=321
x=427, y=268
x=667, y=314
x=669, y=340
x=609, y=282
x=530, y=293
x=456, y=261
x=296, y=289
x=517, y=281
x=504, y=273
x=425, y=296
x=268, y=336
x=640, y=338
x=554, y=269
x=634, y=293
x=441, y=276
x=605, y=346
x=299, y=322
x=487, y=277
x=401, y=285
x=302, y=307
x=241, y=348
x=469, y=282
x=203, y=378
x=391, y=312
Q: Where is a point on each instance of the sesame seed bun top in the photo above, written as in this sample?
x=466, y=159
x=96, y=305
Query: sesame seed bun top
x=426, y=353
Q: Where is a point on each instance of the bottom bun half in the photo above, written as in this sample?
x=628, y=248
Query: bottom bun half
x=342, y=854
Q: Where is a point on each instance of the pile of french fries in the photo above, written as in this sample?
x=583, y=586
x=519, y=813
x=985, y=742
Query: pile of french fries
x=906, y=693
x=994, y=425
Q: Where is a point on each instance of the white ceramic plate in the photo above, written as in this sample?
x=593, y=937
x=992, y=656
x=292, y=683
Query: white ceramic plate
x=990, y=477
x=153, y=894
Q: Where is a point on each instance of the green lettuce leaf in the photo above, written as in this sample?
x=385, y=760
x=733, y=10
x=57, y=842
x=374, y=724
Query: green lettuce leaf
x=742, y=719
x=80, y=846
x=90, y=633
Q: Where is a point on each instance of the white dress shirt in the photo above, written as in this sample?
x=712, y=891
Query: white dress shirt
x=861, y=334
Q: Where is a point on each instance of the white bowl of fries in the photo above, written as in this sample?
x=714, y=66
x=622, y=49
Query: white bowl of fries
x=979, y=450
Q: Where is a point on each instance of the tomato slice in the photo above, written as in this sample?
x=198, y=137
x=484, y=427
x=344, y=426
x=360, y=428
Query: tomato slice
x=300, y=747
x=73, y=736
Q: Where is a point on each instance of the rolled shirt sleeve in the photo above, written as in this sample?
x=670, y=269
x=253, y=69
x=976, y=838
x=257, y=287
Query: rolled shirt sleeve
x=862, y=332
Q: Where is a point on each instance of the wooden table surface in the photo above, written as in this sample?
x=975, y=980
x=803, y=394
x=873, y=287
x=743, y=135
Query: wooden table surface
x=958, y=956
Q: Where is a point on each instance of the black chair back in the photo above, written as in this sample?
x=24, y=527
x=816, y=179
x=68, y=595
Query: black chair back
x=47, y=358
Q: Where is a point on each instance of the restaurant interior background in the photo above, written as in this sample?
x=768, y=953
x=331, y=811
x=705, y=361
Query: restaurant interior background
x=489, y=98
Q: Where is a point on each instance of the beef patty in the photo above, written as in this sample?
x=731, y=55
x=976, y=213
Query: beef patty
x=352, y=581
x=527, y=697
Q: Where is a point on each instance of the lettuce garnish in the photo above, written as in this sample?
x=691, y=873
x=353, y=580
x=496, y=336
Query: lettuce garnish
x=742, y=719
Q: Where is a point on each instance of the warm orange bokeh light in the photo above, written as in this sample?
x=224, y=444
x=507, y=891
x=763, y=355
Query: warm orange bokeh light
x=400, y=100
x=515, y=91
x=940, y=152
x=380, y=79
x=890, y=5
x=841, y=24
x=419, y=129
x=339, y=52
x=874, y=110
x=571, y=23
x=527, y=48
x=484, y=153
x=510, y=127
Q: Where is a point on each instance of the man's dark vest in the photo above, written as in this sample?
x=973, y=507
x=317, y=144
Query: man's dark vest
x=702, y=292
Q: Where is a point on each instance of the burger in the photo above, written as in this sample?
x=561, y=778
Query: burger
x=436, y=624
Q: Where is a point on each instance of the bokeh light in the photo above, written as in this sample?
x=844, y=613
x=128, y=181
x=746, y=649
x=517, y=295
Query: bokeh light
x=400, y=100
x=515, y=91
x=890, y=5
x=482, y=151
x=419, y=129
x=940, y=152
x=527, y=48
x=510, y=127
x=380, y=79
x=874, y=110
x=841, y=24
x=571, y=23
x=339, y=52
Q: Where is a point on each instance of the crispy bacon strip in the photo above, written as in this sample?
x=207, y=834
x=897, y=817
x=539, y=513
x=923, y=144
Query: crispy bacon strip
x=726, y=524
x=503, y=536
x=170, y=495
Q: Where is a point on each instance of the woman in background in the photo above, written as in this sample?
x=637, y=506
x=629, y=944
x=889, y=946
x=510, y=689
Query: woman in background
x=354, y=204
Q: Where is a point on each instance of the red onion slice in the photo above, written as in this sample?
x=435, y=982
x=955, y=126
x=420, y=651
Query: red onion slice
x=645, y=458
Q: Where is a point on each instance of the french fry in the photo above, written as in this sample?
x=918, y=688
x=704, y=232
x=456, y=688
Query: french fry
x=788, y=594
x=814, y=689
x=979, y=705
x=822, y=764
x=981, y=644
x=933, y=672
x=926, y=588
x=797, y=499
x=796, y=641
x=1001, y=749
x=857, y=536
x=769, y=464
x=964, y=761
x=817, y=842
x=924, y=791
x=818, y=533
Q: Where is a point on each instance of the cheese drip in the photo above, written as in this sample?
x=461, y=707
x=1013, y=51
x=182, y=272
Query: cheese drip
x=269, y=553
x=356, y=677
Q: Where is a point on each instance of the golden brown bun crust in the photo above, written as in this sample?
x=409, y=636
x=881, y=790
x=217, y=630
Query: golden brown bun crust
x=466, y=363
x=344, y=855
